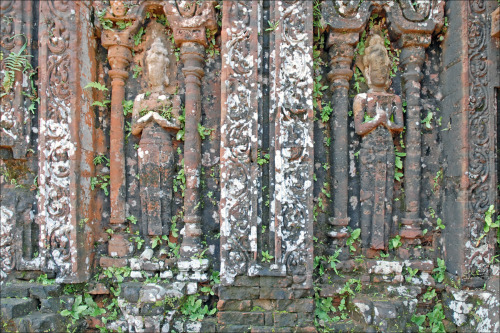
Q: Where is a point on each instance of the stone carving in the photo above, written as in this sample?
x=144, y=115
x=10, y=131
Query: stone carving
x=155, y=119
x=292, y=106
x=64, y=201
x=238, y=199
x=481, y=183
x=189, y=21
x=377, y=116
x=119, y=44
x=413, y=24
x=56, y=143
x=6, y=242
x=15, y=124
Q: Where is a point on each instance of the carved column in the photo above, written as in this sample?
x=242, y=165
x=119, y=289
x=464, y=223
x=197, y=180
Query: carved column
x=341, y=55
x=412, y=59
x=66, y=139
x=119, y=45
x=192, y=56
x=189, y=20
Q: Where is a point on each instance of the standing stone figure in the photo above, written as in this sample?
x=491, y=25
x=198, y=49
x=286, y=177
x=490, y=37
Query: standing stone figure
x=377, y=116
x=155, y=118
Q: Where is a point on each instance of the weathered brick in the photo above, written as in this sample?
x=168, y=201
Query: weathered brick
x=275, y=293
x=422, y=265
x=118, y=246
x=18, y=290
x=98, y=289
x=52, y=304
x=285, y=319
x=265, y=304
x=298, y=305
x=112, y=262
x=131, y=291
x=307, y=329
x=238, y=292
x=234, y=305
x=46, y=291
x=15, y=307
x=223, y=328
x=241, y=318
x=305, y=319
x=275, y=282
x=208, y=325
x=246, y=281
x=152, y=309
x=41, y=322
x=269, y=319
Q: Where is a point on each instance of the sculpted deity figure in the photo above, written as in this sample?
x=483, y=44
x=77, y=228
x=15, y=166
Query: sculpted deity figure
x=377, y=116
x=155, y=119
x=118, y=8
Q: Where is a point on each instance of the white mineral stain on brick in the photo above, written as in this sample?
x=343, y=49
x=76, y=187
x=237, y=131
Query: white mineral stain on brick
x=386, y=267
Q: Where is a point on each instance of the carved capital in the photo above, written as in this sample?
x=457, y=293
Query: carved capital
x=189, y=19
x=111, y=38
x=341, y=55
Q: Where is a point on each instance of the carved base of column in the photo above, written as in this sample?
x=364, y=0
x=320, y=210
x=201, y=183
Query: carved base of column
x=193, y=270
x=411, y=228
x=339, y=221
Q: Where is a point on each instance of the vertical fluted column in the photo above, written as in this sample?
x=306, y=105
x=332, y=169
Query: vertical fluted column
x=412, y=59
x=341, y=56
x=189, y=21
x=119, y=59
x=192, y=56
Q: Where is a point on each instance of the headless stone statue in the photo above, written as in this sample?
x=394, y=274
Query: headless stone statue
x=377, y=116
x=155, y=119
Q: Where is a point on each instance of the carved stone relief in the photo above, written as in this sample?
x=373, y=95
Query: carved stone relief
x=291, y=96
x=411, y=25
x=64, y=241
x=291, y=157
x=155, y=119
x=481, y=178
x=373, y=112
x=16, y=93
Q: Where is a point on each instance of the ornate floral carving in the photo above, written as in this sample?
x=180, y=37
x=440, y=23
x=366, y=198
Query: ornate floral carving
x=15, y=126
x=292, y=104
x=480, y=146
x=238, y=206
x=55, y=142
x=6, y=242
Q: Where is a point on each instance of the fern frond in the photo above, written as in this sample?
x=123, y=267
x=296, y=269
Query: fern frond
x=101, y=104
x=96, y=85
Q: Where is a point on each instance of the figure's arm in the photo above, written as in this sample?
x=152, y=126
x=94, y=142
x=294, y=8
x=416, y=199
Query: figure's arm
x=138, y=122
x=398, y=124
x=362, y=128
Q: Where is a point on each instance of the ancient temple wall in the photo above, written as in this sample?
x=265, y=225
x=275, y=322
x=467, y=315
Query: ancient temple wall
x=205, y=166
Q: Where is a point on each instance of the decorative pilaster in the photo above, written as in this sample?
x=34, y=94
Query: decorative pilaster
x=341, y=55
x=240, y=27
x=65, y=140
x=119, y=45
x=412, y=59
x=291, y=96
x=189, y=21
x=193, y=59
x=482, y=180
